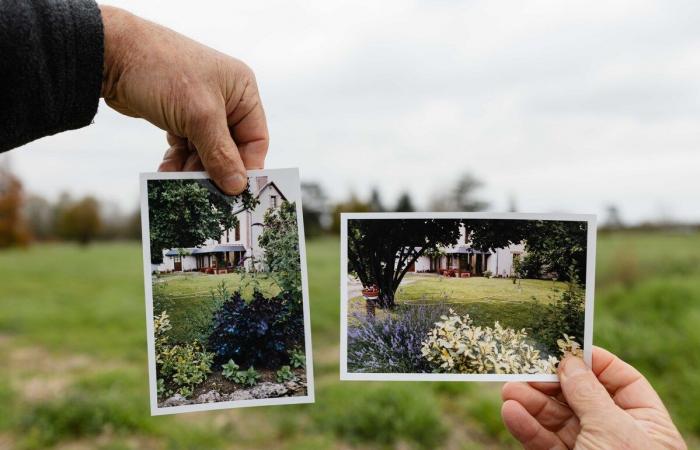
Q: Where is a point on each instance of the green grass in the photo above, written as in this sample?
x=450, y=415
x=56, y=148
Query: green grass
x=199, y=285
x=72, y=326
x=191, y=299
x=428, y=288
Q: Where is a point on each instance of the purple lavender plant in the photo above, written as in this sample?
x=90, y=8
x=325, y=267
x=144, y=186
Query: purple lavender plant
x=391, y=344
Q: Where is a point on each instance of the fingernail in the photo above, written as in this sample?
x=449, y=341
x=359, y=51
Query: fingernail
x=234, y=184
x=573, y=365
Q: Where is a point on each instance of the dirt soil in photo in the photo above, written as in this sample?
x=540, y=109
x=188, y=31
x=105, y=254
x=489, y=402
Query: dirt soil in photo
x=218, y=383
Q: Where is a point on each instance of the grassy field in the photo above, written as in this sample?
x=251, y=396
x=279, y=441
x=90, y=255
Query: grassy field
x=191, y=299
x=73, y=349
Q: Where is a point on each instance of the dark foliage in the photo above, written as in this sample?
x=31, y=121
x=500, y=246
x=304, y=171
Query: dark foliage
x=565, y=315
x=392, y=344
x=185, y=213
x=380, y=251
x=558, y=244
x=259, y=333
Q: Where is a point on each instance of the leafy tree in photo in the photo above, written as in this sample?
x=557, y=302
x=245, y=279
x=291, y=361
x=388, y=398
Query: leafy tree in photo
x=558, y=245
x=381, y=251
x=280, y=240
x=185, y=213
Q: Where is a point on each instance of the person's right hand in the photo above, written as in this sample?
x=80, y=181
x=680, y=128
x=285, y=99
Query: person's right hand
x=610, y=407
x=208, y=102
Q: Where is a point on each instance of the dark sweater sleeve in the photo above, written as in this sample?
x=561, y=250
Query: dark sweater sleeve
x=51, y=57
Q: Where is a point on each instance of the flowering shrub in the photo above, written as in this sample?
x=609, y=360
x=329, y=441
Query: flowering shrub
x=259, y=332
x=455, y=345
x=180, y=367
x=392, y=344
x=568, y=346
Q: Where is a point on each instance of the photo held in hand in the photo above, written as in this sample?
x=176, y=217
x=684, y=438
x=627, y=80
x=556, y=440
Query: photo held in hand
x=464, y=296
x=226, y=303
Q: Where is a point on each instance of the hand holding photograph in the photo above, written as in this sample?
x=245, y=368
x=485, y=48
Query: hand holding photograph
x=226, y=292
x=464, y=296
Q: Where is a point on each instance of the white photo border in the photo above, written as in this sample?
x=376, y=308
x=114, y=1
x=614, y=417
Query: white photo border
x=591, y=230
x=145, y=235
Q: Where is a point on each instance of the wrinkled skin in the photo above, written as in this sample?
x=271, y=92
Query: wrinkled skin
x=207, y=102
x=611, y=406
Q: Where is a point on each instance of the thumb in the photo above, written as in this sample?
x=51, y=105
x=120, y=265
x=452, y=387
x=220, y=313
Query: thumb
x=219, y=154
x=585, y=395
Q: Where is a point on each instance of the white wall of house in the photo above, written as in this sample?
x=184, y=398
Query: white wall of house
x=250, y=228
x=423, y=264
x=501, y=262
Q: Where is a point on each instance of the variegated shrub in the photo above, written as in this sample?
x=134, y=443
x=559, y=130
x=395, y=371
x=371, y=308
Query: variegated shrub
x=455, y=345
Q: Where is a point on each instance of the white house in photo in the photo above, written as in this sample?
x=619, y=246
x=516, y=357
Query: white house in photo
x=464, y=259
x=236, y=246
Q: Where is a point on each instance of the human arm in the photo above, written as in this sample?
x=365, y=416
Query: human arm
x=59, y=57
x=50, y=70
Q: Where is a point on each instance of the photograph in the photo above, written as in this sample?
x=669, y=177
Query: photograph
x=450, y=296
x=226, y=292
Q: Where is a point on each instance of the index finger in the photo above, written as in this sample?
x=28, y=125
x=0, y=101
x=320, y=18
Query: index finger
x=626, y=385
x=248, y=127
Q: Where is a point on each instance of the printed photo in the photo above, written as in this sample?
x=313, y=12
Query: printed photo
x=468, y=296
x=226, y=292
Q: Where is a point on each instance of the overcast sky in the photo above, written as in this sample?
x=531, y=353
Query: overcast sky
x=565, y=106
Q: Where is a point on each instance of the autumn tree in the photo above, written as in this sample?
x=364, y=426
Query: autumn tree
x=12, y=230
x=79, y=221
x=380, y=251
x=185, y=213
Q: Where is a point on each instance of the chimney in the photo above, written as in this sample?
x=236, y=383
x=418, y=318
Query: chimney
x=261, y=182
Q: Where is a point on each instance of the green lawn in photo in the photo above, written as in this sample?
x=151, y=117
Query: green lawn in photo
x=74, y=372
x=191, y=298
x=422, y=288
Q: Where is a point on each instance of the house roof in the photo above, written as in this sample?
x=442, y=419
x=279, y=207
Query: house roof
x=222, y=248
x=270, y=184
x=464, y=250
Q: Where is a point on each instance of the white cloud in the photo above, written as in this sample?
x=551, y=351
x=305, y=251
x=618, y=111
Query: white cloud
x=564, y=105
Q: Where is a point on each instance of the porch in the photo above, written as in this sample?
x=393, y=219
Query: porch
x=213, y=260
x=460, y=262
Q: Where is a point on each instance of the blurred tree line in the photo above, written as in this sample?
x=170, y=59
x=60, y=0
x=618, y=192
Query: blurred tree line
x=322, y=216
x=26, y=217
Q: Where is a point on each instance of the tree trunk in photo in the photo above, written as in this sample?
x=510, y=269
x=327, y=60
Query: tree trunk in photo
x=386, y=298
